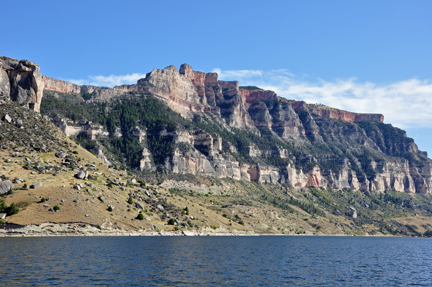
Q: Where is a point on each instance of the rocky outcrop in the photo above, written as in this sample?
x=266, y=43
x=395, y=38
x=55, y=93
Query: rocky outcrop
x=223, y=97
x=99, y=152
x=86, y=128
x=332, y=113
x=250, y=96
x=146, y=162
x=175, y=89
x=21, y=82
x=97, y=93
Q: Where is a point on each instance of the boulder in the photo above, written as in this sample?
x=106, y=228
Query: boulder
x=91, y=166
x=18, y=180
x=36, y=185
x=139, y=206
x=61, y=154
x=5, y=186
x=101, y=198
x=82, y=174
x=160, y=207
x=92, y=177
x=354, y=212
x=7, y=118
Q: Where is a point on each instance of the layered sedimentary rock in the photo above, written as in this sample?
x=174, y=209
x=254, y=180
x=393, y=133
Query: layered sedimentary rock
x=98, y=93
x=332, y=113
x=197, y=94
x=250, y=96
x=21, y=82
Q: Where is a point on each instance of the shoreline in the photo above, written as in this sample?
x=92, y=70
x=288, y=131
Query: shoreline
x=80, y=230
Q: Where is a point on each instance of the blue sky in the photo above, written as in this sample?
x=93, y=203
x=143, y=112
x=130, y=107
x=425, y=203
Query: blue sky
x=363, y=56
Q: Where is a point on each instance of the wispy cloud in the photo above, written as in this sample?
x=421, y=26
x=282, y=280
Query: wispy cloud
x=109, y=81
x=406, y=104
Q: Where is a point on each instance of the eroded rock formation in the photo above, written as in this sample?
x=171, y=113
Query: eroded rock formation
x=306, y=126
x=21, y=82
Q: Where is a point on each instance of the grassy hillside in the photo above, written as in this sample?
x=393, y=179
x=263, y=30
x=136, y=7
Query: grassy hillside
x=28, y=153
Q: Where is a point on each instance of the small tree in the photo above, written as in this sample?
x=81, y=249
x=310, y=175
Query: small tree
x=186, y=210
x=3, y=206
x=140, y=216
x=130, y=200
x=13, y=209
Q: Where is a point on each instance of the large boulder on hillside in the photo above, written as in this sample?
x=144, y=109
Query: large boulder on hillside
x=5, y=186
x=82, y=174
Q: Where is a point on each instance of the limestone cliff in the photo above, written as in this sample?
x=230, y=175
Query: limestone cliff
x=258, y=136
x=102, y=93
x=21, y=82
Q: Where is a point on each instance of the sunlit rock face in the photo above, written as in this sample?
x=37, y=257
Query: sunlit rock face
x=21, y=82
x=328, y=134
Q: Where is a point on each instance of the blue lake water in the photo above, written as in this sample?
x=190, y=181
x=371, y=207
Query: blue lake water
x=215, y=261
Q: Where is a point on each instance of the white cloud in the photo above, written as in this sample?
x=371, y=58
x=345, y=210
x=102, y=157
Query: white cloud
x=238, y=74
x=405, y=104
x=109, y=81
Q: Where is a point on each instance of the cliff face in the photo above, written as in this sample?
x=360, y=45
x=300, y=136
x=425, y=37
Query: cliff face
x=100, y=93
x=21, y=82
x=287, y=142
x=189, y=92
x=332, y=113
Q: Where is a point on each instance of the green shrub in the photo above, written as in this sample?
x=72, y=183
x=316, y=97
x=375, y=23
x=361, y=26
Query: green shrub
x=13, y=209
x=75, y=152
x=140, y=216
x=25, y=185
x=213, y=227
x=171, y=221
x=56, y=207
x=186, y=210
x=3, y=206
x=10, y=191
x=241, y=222
x=130, y=200
x=109, y=184
x=110, y=208
x=176, y=228
x=43, y=199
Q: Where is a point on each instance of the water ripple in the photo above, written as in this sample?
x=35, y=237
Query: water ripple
x=215, y=261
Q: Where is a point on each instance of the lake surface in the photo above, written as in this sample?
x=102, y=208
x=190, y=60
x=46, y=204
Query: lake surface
x=215, y=261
